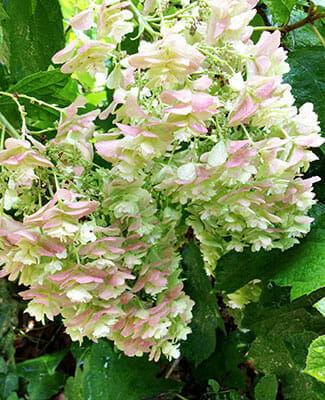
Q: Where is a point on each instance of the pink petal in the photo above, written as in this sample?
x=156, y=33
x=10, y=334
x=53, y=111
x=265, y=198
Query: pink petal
x=246, y=109
x=83, y=21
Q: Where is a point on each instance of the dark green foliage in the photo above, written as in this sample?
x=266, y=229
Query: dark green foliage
x=273, y=349
x=280, y=9
x=8, y=320
x=43, y=379
x=267, y=388
x=206, y=317
x=32, y=32
x=283, y=333
x=224, y=364
x=303, y=267
x=50, y=86
x=103, y=373
x=307, y=78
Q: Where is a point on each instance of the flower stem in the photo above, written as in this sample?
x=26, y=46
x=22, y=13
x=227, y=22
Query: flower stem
x=5, y=123
x=266, y=28
x=247, y=134
x=3, y=134
x=180, y=396
x=176, y=14
x=16, y=96
x=142, y=20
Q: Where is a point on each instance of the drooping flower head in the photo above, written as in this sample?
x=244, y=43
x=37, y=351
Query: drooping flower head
x=59, y=217
x=199, y=136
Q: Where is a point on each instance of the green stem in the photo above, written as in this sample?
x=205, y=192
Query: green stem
x=176, y=14
x=3, y=134
x=266, y=28
x=42, y=131
x=142, y=20
x=246, y=133
x=318, y=34
x=207, y=51
x=57, y=186
x=15, y=98
x=7, y=125
x=40, y=102
x=181, y=397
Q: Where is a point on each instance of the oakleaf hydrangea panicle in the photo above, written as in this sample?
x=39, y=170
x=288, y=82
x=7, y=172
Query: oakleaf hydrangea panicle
x=205, y=140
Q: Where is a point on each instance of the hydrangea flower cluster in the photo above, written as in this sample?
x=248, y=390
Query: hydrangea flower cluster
x=205, y=137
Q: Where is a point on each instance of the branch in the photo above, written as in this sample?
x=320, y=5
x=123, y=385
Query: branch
x=310, y=19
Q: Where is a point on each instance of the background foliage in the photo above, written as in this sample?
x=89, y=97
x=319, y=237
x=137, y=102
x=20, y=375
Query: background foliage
x=273, y=347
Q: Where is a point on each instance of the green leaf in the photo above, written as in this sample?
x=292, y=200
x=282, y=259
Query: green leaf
x=224, y=364
x=320, y=306
x=307, y=78
x=206, y=317
x=32, y=33
x=50, y=86
x=267, y=388
x=280, y=9
x=234, y=270
x=303, y=266
x=40, y=373
x=8, y=384
x=4, y=48
x=215, y=387
x=13, y=396
x=103, y=374
x=283, y=333
x=315, y=365
x=8, y=320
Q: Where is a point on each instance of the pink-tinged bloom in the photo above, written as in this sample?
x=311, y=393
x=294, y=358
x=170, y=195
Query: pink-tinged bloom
x=21, y=158
x=138, y=147
x=109, y=247
x=44, y=302
x=65, y=54
x=168, y=61
x=229, y=20
x=147, y=330
x=84, y=282
x=59, y=218
x=149, y=6
x=76, y=130
x=116, y=273
x=154, y=281
x=114, y=20
x=269, y=56
x=89, y=58
x=203, y=83
x=313, y=140
x=258, y=97
x=22, y=248
x=84, y=20
x=129, y=107
x=245, y=109
x=306, y=121
x=189, y=109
